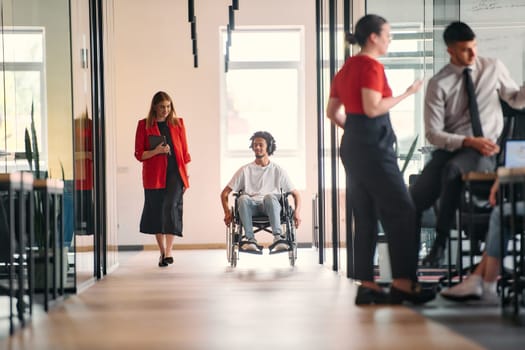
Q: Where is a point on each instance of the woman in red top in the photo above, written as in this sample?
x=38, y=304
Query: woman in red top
x=377, y=188
x=164, y=173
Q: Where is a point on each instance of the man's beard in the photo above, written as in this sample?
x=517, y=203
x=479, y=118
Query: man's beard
x=259, y=156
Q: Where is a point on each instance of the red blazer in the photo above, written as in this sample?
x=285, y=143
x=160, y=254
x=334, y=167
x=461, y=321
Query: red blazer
x=83, y=154
x=154, y=168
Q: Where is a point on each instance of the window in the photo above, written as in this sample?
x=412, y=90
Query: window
x=263, y=89
x=22, y=85
x=409, y=57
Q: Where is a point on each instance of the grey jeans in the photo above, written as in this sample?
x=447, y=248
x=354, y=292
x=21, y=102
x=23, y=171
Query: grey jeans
x=494, y=233
x=269, y=206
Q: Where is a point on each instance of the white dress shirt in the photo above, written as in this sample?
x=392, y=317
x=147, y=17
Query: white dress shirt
x=447, y=117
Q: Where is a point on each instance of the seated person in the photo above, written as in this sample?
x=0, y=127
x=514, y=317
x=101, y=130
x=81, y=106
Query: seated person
x=481, y=284
x=261, y=183
x=463, y=125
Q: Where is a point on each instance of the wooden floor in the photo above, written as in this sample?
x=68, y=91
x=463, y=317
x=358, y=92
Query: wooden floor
x=201, y=303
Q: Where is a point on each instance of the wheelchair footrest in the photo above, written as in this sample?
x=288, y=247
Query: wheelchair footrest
x=279, y=245
x=256, y=252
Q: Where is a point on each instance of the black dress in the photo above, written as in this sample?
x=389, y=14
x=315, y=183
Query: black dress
x=162, y=211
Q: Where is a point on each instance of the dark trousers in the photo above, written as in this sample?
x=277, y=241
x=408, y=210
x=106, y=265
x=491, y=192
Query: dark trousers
x=378, y=192
x=441, y=178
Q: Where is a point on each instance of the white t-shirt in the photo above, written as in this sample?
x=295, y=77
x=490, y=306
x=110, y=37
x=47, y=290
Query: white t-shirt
x=258, y=181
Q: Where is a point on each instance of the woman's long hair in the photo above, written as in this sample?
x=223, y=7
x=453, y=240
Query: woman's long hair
x=159, y=97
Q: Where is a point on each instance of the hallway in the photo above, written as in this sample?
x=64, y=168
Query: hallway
x=201, y=303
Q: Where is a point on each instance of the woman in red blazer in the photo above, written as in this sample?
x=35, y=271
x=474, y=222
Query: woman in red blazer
x=160, y=144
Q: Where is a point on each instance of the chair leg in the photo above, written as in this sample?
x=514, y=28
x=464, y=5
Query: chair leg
x=459, y=257
x=449, y=260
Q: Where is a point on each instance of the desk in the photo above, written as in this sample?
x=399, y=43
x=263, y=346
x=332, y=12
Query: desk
x=17, y=189
x=510, y=180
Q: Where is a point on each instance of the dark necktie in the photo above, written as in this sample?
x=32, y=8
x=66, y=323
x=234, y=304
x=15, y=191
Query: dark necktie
x=472, y=104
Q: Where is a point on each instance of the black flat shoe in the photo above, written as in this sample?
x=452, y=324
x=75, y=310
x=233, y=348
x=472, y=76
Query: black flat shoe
x=168, y=259
x=162, y=261
x=368, y=296
x=417, y=296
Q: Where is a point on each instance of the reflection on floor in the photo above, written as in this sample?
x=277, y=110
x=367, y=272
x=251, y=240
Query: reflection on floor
x=484, y=324
x=201, y=303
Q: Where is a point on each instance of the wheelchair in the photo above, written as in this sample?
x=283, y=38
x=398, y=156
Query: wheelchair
x=235, y=231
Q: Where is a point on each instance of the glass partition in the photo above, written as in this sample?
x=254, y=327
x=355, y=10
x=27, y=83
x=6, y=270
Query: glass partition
x=36, y=109
x=82, y=129
x=332, y=186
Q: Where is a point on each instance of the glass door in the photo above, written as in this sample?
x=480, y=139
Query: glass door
x=332, y=16
x=82, y=128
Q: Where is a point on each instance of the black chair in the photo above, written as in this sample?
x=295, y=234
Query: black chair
x=16, y=242
x=9, y=283
x=428, y=220
x=472, y=220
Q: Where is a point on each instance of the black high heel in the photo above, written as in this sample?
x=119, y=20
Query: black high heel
x=416, y=296
x=168, y=259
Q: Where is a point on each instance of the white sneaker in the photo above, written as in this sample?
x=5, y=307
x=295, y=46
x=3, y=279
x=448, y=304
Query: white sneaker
x=281, y=246
x=469, y=289
x=489, y=298
x=250, y=245
x=490, y=294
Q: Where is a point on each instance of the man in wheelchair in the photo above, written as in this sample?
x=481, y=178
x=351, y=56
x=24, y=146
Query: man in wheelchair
x=260, y=185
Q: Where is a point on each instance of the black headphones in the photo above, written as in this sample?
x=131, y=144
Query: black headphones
x=270, y=141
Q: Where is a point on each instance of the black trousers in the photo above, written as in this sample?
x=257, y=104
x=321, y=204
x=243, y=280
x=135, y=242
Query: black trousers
x=378, y=192
x=441, y=178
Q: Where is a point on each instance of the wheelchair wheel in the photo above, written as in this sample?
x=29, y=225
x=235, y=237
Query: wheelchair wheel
x=290, y=234
x=292, y=255
x=233, y=262
x=232, y=247
x=230, y=242
x=229, y=239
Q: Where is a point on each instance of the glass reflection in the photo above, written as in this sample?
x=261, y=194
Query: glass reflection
x=82, y=144
x=36, y=124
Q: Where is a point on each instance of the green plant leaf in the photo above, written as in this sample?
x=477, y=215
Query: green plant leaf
x=410, y=154
x=28, y=150
x=34, y=141
x=62, y=170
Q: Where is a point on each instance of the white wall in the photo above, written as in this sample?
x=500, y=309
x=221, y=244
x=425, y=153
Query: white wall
x=153, y=52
